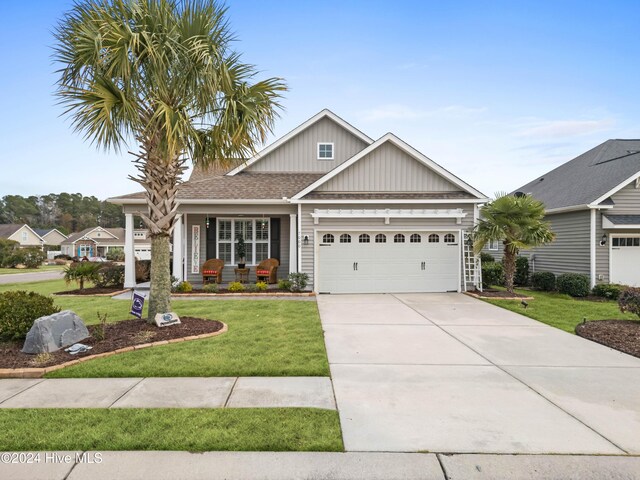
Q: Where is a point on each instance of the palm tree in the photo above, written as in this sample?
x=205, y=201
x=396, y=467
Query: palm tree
x=161, y=74
x=518, y=222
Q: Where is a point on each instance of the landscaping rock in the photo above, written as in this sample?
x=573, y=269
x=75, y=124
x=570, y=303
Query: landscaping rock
x=53, y=332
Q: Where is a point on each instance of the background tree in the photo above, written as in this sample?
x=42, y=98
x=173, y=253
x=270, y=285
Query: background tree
x=161, y=73
x=517, y=222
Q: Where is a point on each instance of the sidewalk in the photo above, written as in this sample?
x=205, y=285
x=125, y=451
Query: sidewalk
x=181, y=392
x=319, y=466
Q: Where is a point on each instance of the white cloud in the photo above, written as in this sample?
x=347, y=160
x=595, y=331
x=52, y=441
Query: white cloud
x=563, y=128
x=396, y=111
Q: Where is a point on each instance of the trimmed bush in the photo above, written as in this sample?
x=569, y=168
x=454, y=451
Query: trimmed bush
x=18, y=311
x=236, y=287
x=611, y=291
x=521, y=277
x=31, y=257
x=487, y=258
x=298, y=281
x=110, y=275
x=211, y=288
x=262, y=286
x=184, y=287
x=284, y=284
x=574, y=284
x=629, y=300
x=7, y=249
x=545, y=281
x=492, y=274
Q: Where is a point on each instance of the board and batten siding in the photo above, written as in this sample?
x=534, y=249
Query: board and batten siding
x=228, y=274
x=388, y=169
x=373, y=224
x=300, y=153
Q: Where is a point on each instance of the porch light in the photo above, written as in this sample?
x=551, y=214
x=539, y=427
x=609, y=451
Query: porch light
x=603, y=240
x=207, y=222
x=306, y=240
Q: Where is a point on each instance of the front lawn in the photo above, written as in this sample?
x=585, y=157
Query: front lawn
x=43, y=268
x=265, y=338
x=195, y=430
x=562, y=311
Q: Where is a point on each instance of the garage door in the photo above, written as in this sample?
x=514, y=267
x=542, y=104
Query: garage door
x=388, y=262
x=625, y=258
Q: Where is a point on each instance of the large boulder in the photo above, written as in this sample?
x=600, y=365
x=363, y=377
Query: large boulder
x=53, y=332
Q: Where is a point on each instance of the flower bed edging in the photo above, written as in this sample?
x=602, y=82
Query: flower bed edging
x=475, y=295
x=40, y=372
x=112, y=294
x=246, y=294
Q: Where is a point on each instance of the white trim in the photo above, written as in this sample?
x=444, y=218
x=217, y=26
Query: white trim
x=610, y=259
x=54, y=230
x=299, y=238
x=326, y=113
x=389, y=201
x=293, y=247
x=575, y=208
x=204, y=201
x=618, y=187
x=611, y=237
x=333, y=156
x=253, y=241
x=390, y=137
x=185, y=246
x=31, y=230
x=177, y=249
x=387, y=213
x=608, y=224
x=592, y=249
x=460, y=264
x=129, y=252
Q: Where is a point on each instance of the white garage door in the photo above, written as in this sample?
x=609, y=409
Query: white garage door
x=625, y=258
x=388, y=262
x=143, y=253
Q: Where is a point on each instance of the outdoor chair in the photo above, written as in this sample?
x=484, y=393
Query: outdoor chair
x=267, y=270
x=212, y=269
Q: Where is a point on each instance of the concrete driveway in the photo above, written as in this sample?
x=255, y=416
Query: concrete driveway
x=449, y=373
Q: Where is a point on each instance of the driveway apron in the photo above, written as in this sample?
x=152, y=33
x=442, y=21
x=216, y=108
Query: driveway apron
x=449, y=373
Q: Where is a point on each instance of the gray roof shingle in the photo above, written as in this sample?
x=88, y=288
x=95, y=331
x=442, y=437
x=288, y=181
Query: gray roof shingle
x=8, y=229
x=623, y=219
x=587, y=177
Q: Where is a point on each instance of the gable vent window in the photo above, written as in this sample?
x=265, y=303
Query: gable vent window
x=325, y=151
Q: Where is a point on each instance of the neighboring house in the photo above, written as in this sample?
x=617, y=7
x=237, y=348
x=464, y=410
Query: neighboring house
x=97, y=241
x=21, y=233
x=51, y=236
x=356, y=215
x=593, y=204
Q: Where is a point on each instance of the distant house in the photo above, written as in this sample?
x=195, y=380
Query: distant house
x=21, y=233
x=51, y=236
x=593, y=204
x=97, y=241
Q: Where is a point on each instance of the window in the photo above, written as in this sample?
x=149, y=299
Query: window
x=25, y=236
x=364, y=238
x=398, y=238
x=434, y=238
x=255, y=232
x=493, y=245
x=345, y=238
x=381, y=238
x=325, y=151
x=625, y=242
x=449, y=238
x=327, y=238
x=415, y=238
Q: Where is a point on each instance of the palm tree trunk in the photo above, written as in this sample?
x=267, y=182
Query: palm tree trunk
x=160, y=293
x=509, y=265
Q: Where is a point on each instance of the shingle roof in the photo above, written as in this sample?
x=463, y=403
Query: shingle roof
x=587, y=177
x=623, y=219
x=8, y=229
x=42, y=231
x=215, y=170
x=388, y=196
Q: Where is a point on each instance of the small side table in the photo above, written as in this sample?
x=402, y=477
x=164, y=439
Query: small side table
x=242, y=274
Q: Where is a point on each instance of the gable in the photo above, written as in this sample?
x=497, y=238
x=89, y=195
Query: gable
x=53, y=237
x=300, y=153
x=627, y=199
x=388, y=169
x=100, y=234
x=32, y=237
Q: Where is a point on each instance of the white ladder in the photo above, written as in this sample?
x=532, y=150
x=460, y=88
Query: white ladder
x=471, y=264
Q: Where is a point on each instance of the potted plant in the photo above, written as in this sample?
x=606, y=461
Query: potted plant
x=241, y=250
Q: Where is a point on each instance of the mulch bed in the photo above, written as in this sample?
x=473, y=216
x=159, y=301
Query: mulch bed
x=122, y=334
x=622, y=335
x=498, y=294
x=92, y=291
x=246, y=290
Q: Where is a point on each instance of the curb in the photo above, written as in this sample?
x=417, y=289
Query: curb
x=40, y=372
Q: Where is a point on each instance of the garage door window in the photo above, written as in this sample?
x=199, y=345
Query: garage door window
x=415, y=238
x=625, y=241
x=364, y=238
x=434, y=238
x=449, y=238
x=345, y=238
x=381, y=238
x=327, y=238
x=398, y=238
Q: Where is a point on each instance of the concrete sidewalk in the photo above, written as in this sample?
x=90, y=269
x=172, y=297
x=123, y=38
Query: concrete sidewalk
x=317, y=466
x=184, y=392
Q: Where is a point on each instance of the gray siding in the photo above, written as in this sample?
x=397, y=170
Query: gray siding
x=627, y=200
x=307, y=264
x=388, y=169
x=300, y=153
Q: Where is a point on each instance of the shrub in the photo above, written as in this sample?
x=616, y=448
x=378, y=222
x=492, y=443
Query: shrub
x=110, y=275
x=298, y=281
x=211, y=288
x=184, y=287
x=522, y=271
x=611, y=291
x=492, y=274
x=284, y=284
x=116, y=254
x=261, y=286
x=81, y=272
x=251, y=287
x=18, y=311
x=31, y=257
x=574, y=284
x=545, y=281
x=143, y=270
x=63, y=256
x=486, y=257
x=629, y=300
x=7, y=249
x=236, y=287
x=60, y=261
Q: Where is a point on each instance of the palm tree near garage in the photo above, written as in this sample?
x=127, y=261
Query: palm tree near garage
x=518, y=222
x=161, y=74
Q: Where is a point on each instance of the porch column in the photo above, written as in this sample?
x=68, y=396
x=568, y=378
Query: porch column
x=293, y=243
x=177, y=249
x=129, y=253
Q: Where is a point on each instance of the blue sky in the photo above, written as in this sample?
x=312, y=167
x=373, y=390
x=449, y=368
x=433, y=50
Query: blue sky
x=498, y=92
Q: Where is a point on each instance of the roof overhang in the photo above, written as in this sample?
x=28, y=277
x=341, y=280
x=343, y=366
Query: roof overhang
x=394, y=201
x=388, y=213
x=610, y=225
x=575, y=208
x=635, y=177
x=206, y=201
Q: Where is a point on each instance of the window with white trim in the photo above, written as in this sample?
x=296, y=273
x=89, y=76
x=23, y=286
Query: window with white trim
x=256, y=234
x=25, y=236
x=493, y=245
x=325, y=151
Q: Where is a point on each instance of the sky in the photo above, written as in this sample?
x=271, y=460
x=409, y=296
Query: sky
x=497, y=92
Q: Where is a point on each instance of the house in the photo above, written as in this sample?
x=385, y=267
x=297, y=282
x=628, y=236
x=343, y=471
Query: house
x=50, y=236
x=593, y=205
x=97, y=241
x=355, y=214
x=21, y=233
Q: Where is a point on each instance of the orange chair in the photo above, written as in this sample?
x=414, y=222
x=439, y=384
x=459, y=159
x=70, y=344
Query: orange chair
x=267, y=270
x=212, y=269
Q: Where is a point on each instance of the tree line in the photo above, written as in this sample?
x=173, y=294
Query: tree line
x=68, y=212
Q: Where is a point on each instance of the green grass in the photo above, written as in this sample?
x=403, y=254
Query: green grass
x=265, y=338
x=196, y=430
x=562, y=311
x=44, y=268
